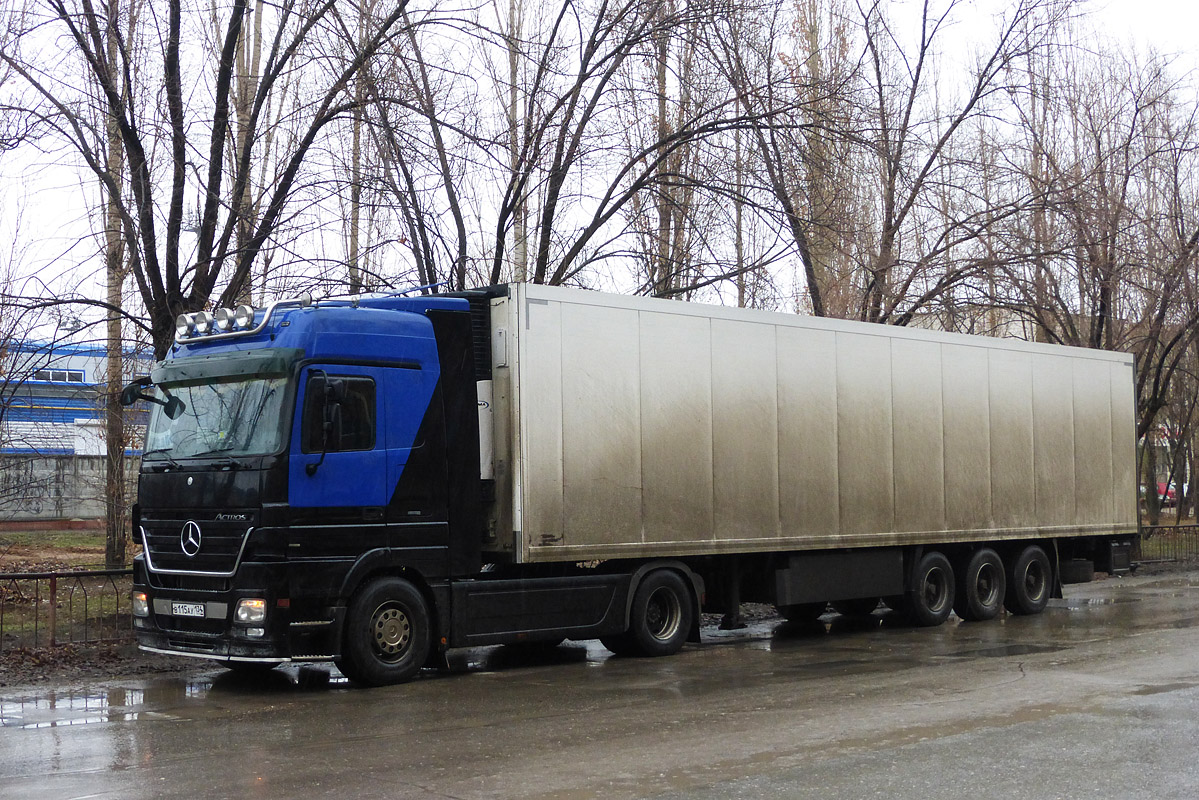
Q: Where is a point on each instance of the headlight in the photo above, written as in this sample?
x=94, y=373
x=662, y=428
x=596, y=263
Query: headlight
x=183, y=326
x=250, y=611
x=141, y=605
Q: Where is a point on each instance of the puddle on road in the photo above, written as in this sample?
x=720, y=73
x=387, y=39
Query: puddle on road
x=64, y=709
x=157, y=700
x=1003, y=651
x=1188, y=622
x=842, y=666
x=1163, y=688
x=1076, y=603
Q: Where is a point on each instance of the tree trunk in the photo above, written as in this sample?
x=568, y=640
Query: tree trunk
x=115, y=505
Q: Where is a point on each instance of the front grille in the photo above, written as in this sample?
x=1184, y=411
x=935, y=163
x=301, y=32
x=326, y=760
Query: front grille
x=219, y=550
x=191, y=583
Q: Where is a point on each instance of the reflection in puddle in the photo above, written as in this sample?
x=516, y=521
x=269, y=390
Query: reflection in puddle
x=1075, y=603
x=63, y=709
x=160, y=700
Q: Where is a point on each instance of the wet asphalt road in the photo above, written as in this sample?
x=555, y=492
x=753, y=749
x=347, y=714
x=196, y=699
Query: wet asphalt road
x=1096, y=698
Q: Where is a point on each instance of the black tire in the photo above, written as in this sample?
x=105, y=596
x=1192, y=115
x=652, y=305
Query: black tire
x=1029, y=581
x=1076, y=570
x=661, y=616
x=387, y=633
x=802, y=612
x=857, y=607
x=930, y=593
x=981, y=586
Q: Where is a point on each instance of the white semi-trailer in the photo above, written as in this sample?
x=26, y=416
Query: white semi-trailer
x=527, y=463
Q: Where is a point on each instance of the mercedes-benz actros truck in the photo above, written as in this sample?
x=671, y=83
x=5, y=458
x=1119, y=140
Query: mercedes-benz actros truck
x=374, y=480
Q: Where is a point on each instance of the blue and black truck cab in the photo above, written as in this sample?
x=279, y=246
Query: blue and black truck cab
x=292, y=452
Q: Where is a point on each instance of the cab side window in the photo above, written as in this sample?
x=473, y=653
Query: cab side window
x=353, y=424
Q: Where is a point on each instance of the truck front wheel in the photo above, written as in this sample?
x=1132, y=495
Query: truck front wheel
x=661, y=616
x=387, y=633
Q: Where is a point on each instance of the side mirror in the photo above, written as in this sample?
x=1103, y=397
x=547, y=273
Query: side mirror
x=335, y=392
x=133, y=392
x=333, y=395
x=172, y=405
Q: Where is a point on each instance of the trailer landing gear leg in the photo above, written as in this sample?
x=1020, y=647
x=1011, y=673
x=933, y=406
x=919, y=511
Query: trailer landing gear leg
x=731, y=621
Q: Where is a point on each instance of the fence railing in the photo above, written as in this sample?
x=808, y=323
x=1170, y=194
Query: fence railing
x=1169, y=543
x=46, y=609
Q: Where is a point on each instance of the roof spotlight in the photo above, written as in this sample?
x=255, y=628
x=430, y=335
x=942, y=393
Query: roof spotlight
x=222, y=320
x=183, y=326
x=203, y=322
x=243, y=317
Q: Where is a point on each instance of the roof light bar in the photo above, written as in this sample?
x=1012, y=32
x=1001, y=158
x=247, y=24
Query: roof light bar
x=224, y=323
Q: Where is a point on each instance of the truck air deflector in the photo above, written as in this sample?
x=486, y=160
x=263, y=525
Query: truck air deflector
x=266, y=362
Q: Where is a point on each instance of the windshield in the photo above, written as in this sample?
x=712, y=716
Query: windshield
x=230, y=417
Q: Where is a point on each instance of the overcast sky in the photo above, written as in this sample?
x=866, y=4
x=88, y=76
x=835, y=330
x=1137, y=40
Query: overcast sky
x=1171, y=26
x=52, y=201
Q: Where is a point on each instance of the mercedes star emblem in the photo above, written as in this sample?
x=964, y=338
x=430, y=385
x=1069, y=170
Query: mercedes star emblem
x=189, y=538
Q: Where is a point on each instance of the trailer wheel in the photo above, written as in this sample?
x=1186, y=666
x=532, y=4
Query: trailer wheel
x=930, y=598
x=387, y=633
x=1029, y=580
x=661, y=616
x=857, y=607
x=802, y=612
x=981, y=586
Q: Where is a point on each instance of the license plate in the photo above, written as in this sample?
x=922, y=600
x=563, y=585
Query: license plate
x=187, y=609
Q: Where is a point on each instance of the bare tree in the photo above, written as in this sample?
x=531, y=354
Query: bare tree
x=166, y=158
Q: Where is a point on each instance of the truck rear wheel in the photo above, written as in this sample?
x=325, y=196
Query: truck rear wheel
x=1029, y=580
x=930, y=596
x=981, y=586
x=387, y=635
x=661, y=615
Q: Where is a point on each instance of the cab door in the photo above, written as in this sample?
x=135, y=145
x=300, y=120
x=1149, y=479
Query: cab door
x=338, y=462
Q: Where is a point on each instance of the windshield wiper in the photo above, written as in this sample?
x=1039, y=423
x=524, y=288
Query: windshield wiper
x=166, y=453
x=218, y=454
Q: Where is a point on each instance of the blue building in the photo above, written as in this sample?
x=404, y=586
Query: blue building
x=51, y=400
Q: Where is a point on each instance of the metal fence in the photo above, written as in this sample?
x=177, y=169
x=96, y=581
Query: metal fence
x=47, y=609
x=1169, y=543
